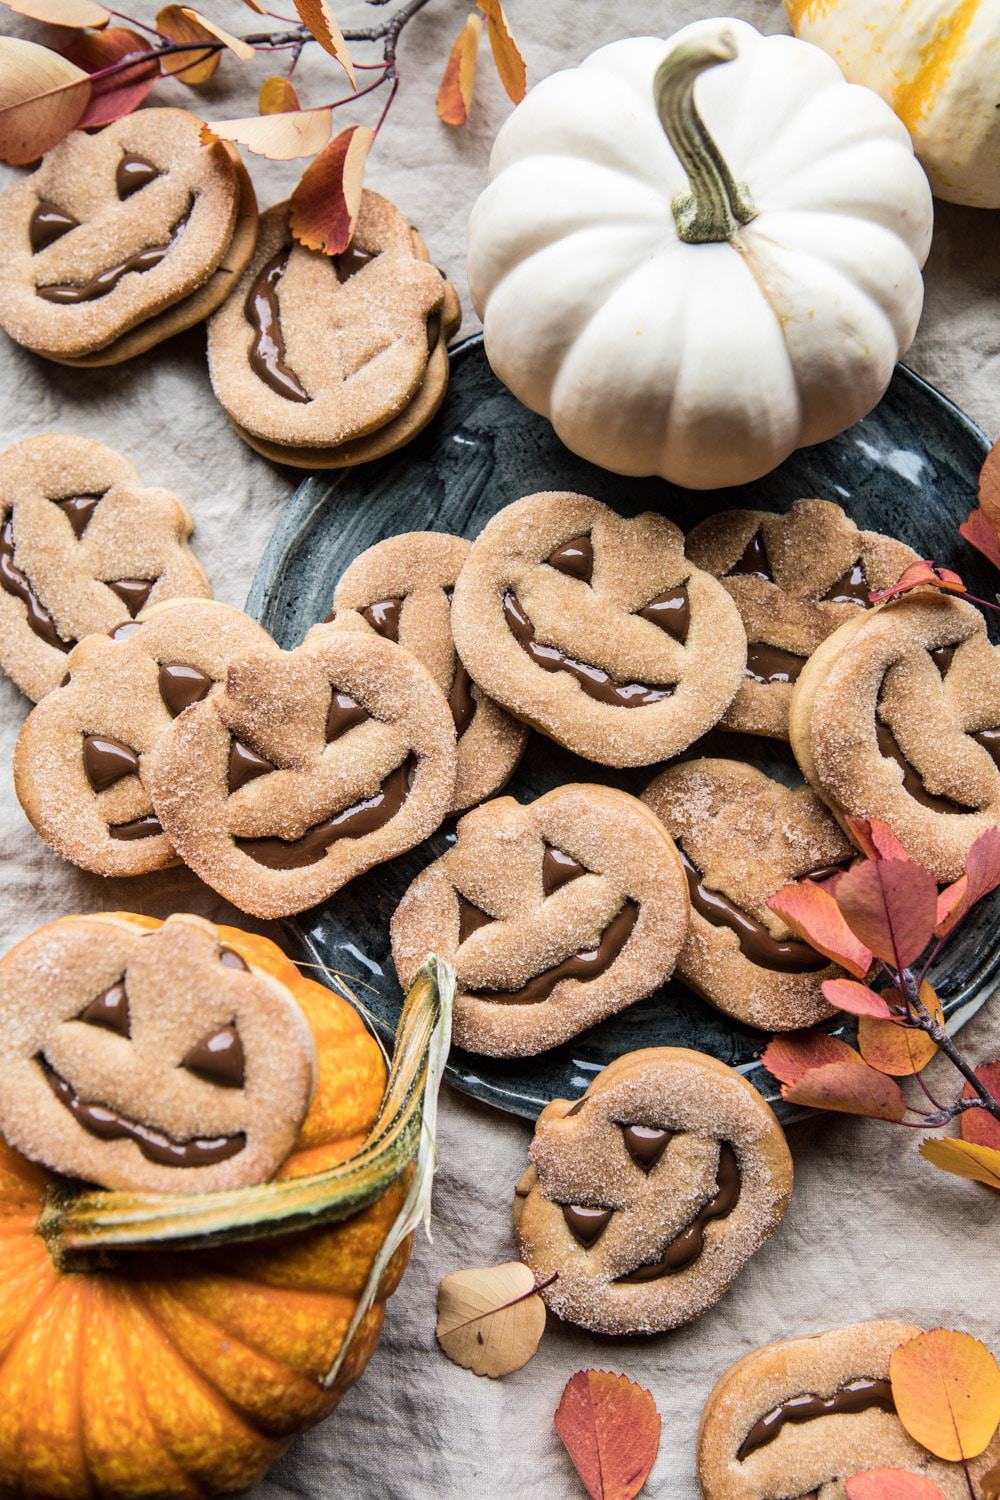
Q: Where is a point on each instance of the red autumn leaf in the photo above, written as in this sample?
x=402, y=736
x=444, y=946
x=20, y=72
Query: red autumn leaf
x=979, y=1127
x=918, y=575
x=454, y=99
x=876, y=838
x=811, y=911
x=989, y=486
x=324, y=206
x=318, y=17
x=123, y=91
x=891, y=906
x=895, y=1049
x=794, y=1054
x=979, y=533
x=611, y=1429
x=506, y=53
x=891, y=1484
x=856, y=999
x=42, y=97
x=850, y=1090
x=982, y=875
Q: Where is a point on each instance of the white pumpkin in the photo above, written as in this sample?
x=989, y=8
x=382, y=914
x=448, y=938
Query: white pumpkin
x=937, y=62
x=700, y=306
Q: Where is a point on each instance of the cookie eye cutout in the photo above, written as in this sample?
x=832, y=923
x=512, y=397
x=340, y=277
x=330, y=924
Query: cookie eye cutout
x=79, y=510
x=245, y=765
x=107, y=761
x=863, y=1394
x=851, y=587
x=343, y=714
x=574, y=558
x=913, y=782
x=754, y=563
x=133, y=592
x=383, y=617
x=671, y=611
x=218, y=1058
x=13, y=581
x=109, y=1010
x=586, y=1224
x=587, y=964
x=352, y=823
x=756, y=943
x=646, y=1144
x=558, y=869
x=596, y=683
x=689, y=1244
x=133, y=173
x=48, y=224
x=181, y=685
x=69, y=294
x=470, y=919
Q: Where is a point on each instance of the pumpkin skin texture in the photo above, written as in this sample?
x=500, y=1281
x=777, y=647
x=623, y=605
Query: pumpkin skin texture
x=179, y=1374
x=707, y=363
x=936, y=62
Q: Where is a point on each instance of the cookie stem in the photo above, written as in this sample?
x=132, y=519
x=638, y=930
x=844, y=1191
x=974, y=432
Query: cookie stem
x=716, y=204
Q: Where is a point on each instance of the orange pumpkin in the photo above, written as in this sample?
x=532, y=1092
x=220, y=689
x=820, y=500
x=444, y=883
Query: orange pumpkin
x=176, y=1372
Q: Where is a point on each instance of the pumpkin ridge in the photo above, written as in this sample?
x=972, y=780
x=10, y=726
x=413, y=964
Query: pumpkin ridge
x=29, y=1313
x=51, y=1309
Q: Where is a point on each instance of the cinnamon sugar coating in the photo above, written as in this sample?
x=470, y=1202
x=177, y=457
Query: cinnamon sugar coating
x=678, y=685
x=189, y=207
x=815, y=1457
x=131, y=533
x=747, y=836
x=546, y=881
x=820, y=569
x=580, y=1157
x=418, y=570
x=876, y=677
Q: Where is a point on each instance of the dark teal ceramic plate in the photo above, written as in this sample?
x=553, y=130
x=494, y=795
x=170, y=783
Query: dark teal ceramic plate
x=909, y=469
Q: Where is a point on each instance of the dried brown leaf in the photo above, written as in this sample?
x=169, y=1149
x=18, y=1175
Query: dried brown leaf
x=42, y=98
x=76, y=13
x=318, y=16
x=277, y=97
x=281, y=137
x=490, y=1321
x=324, y=206
x=454, y=98
x=506, y=53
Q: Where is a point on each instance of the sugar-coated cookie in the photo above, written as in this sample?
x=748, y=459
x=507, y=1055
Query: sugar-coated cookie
x=84, y=544
x=555, y=914
x=156, y=1061
x=742, y=837
x=324, y=361
x=81, y=762
x=794, y=579
x=597, y=630
x=311, y=766
x=801, y=1416
x=647, y=1197
x=897, y=716
x=113, y=228
x=402, y=588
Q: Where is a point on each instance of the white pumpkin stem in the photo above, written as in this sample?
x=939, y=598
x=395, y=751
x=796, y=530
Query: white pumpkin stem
x=716, y=204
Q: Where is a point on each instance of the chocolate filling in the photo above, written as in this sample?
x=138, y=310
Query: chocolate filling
x=646, y=1144
x=594, y=681
x=109, y=1011
x=267, y=352
x=383, y=617
x=671, y=611
x=218, y=1059
x=559, y=869
x=48, y=224
x=574, y=558
x=343, y=714
x=586, y=1224
x=353, y=823
x=13, y=581
x=912, y=780
x=181, y=685
x=106, y=281
x=79, y=510
x=245, y=765
x=350, y=261
x=585, y=965
x=851, y=587
x=461, y=701
x=109, y=1125
x=107, y=761
x=756, y=943
x=691, y=1242
x=471, y=918
x=772, y=664
x=942, y=657
x=754, y=563
x=139, y=828
x=859, y=1395
x=133, y=592
x=133, y=173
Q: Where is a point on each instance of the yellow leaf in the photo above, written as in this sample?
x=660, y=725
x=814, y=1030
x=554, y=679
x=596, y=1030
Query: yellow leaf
x=62, y=12
x=946, y=1387
x=324, y=207
x=237, y=45
x=318, y=16
x=280, y=137
x=490, y=1321
x=964, y=1159
x=277, y=96
x=194, y=67
x=454, y=98
x=506, y=53
x=42, y=96
x=899, y=1050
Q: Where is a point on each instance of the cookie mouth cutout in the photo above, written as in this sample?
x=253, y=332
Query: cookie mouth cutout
x=156, y=1146
x=756, y=944
x=13, y=581
x=772, y=664
x=594, y=681
x=863, y=1394
x=71, y=294
x=585, y=965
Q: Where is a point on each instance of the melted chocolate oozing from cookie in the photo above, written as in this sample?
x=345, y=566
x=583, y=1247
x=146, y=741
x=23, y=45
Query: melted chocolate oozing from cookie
x=588, y=964
x=756, y=943
x=559, y=869
x=267, y=352
x=857, y=1396
x=754, y=563
x=383, y=617
x=13, y=581
x=79, y=510
x=48, y=224
x=772, y=664
x=595, y=682
x=107, y=761
x=181, y=685
x=574, y=558
x=106, y=281
x=245, y=765
x=352, y=823
x=139, y=828
x=133, y=173
x=471, y=918
x=343, y=714
x=109, y=1125
x=461, y=700
x=133, y=592
x=646, y=1144
x=218, y=1058
x=851, y=587
x=586, y=1224
x=691, y=1242
x=913, y=782
x=109, y=1010
x=670, y=610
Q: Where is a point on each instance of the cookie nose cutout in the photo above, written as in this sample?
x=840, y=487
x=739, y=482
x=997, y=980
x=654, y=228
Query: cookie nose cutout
x=109, y=1010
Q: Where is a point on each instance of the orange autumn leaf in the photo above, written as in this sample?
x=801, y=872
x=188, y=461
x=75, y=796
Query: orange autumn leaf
x=891, y=907
x=857, y=999
x=964, y=1159
x=982, y=875
x=979, y=1127
x=506, y=53
x=918, y=575
x=899, y=1050
x=62, y=12
x=454, y=98
x=181, y=25
x=277, y=97
x=795, y=1053
x=849, y=1089
x=278, y=137
x=122, y=92
x=891, y=1484
x=611, y=1430
x=42, y=98
x=811, y=911
x=318, y=17
x=989, y=487
x=946, y=1387
x=876, y=838
x=324, y=206
x=979, y=533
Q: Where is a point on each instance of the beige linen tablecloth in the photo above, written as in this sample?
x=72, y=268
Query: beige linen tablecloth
x=872, y=1229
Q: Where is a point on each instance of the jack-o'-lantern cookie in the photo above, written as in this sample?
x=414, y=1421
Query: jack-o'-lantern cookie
x=309, y=767
x=81, y=763
x=795, y=578
x=742, y=837
x=83, y=543
x=646, y=1198
x=325, y=361
x=402, y=588
x=122, y=238
x=154, y=1061
x=596, y=630
x=801, y=1416
x=897, y=716
x=555, y=915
